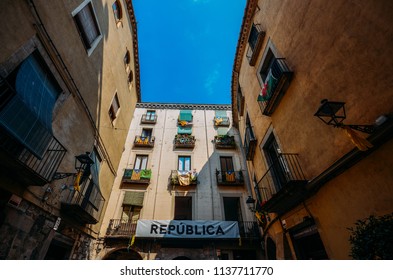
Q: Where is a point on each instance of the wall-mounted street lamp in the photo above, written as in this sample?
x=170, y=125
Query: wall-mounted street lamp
x=333, y=113
x=82, y=163
x=250, y=203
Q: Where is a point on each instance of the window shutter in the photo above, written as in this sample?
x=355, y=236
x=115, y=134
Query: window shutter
x=184, y=130
x=25, y=126
x=133, y=198
x=221, y=114
x=222, y=131
x=185, y=115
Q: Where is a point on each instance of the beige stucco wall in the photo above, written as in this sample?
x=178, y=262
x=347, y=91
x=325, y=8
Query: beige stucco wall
x=337, y=50
x=159, y=199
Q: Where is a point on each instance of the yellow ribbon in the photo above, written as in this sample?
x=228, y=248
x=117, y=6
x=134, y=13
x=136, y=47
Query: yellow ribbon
x=77, y=181
x=360, y=142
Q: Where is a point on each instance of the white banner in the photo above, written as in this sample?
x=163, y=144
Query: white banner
x=187, y=229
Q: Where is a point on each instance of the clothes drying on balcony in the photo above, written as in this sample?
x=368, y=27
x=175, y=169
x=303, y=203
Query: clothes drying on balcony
x=185, y=178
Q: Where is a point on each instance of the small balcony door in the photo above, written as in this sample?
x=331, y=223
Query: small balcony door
x=232, y=209
x=140, y=162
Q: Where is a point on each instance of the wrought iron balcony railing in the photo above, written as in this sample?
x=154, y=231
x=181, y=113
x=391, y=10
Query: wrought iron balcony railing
x=221, y=121
x=144, y=141
x=224, y=142
x=121, y=228
x=83, y=205
x=148, y=119
x=184, y=141
x=26, y=166
x=229, y=178
x=137, y=176
x=250, y=143
x=184, y=178
x=282, y=184
x=280, y=78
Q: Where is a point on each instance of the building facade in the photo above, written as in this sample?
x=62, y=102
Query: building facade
x=181, y=189
x=69, y=82
x=313, y=180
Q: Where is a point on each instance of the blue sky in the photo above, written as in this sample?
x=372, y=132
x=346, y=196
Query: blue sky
x=187, y=49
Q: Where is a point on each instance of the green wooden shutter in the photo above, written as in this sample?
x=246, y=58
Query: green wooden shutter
x=185, y=115
x=184, y=130
x=133, y=198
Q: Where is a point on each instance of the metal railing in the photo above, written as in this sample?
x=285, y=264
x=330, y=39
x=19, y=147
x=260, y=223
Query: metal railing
x=224, y=142
x=250, y=143
x=149, y=118
x=120, y=227
x=221, y=121
x=86, y=204
x=188, y=177
x=184, y=141
x=39, y=170
x=229, y=177
x=138, y=176
x=282, y=76
x=144, y=141
x=284, y=170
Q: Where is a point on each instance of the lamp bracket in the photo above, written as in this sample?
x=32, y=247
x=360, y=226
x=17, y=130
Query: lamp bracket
x=61, y=175
x=369, y=129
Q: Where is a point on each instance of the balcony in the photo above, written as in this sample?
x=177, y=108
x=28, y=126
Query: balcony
x=224, y=142
x=255, y=43
x=221, y=121
x=249, y=230
x=229, y=178
x=144, y=141
x=84, y=205
x=283, y=185
x=149, y=119
x=184, y=141
x=121, y=228
x=24, y=166
x=250, y=143
x=136, y=176
x=276, y=86
x=184, y=178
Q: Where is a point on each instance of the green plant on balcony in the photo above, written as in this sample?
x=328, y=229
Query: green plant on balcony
x=184, y=139
x=225, y=140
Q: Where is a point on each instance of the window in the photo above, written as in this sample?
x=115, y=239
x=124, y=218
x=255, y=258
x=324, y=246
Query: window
x=249, y=140
x=115, y=106
x=27, y=102
x=146, y=133
x=131, y=213
x=150, y=115
x=117, y=11
x=141, y=162
x=255, y=43
x=183, y=208
x=184, y=163
x=266, y=65
x=226, y=164
x=240, y=101
x=95, y=168
x=87, y=25
x=274, y=77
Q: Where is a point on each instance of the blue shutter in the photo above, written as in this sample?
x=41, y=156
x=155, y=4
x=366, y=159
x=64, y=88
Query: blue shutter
x=184, y=129
x=185, y=115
